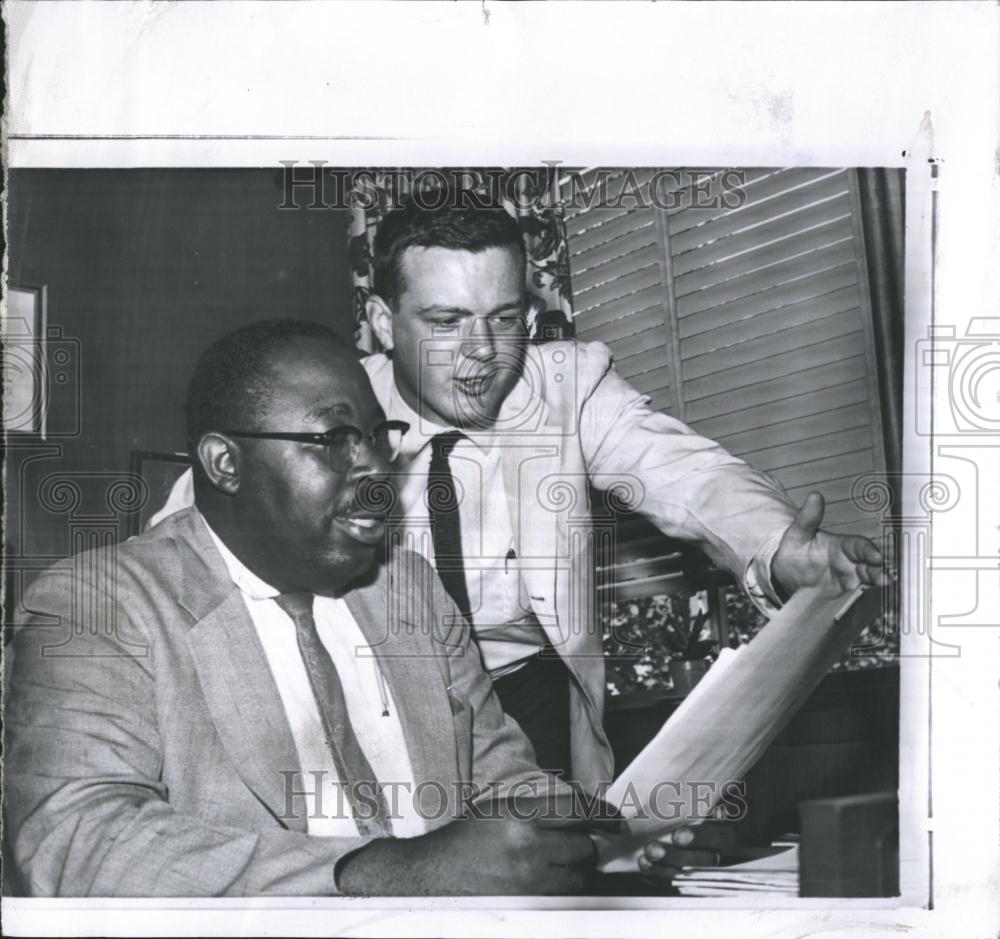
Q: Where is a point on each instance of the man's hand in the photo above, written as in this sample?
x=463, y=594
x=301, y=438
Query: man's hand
x=701, y=845
x=806, y=554
x=482, y=854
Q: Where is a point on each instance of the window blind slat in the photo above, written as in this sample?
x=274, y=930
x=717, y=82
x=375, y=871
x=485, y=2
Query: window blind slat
x=786, y=342
x=776, y=389
x=778, y=252
x=661, y=399
x=811, y=472
x=611, y=251
x=598, y=236
x=773, y=299
x=816, y=402
x=621, y=287
x=618, y=333
x=574, y=186
x=749, y=442
x=644, y=360
x=648, y=253
x=628, y=189
x=793, y=454
x=727, y=249
x=755, y=373
x=653, y=340
x=773, y=321
x=766, y=279
x=756, y=212
x=720, y=195
x=758, y=191
x=656, y=379
x=630, y=305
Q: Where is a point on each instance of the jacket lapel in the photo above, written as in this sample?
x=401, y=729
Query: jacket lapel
x=246, y=707
x=539, y=496
x=236, y=680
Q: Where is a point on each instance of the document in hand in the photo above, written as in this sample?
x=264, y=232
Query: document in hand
x=774, y=870
x=723, y=727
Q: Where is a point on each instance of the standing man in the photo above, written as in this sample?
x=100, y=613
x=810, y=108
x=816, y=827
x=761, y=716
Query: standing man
x=518, y=431
x=507, y=436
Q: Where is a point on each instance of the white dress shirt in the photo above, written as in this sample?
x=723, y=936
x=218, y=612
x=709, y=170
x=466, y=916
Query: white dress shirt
x=491, y=568
x=369, y=704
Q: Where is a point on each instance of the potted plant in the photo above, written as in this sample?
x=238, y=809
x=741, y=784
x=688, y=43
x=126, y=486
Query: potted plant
x=690, y=652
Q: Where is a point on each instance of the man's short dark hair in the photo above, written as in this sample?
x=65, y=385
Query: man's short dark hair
x=233, y=380
x=462, y=229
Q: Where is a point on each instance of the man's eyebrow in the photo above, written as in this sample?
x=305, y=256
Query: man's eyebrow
x=339, y=411
x=462, y=311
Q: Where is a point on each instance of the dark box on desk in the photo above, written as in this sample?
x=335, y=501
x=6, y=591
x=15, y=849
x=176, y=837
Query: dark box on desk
x=850, y=846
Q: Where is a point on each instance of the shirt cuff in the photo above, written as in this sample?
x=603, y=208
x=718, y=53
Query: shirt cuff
x=757, y=577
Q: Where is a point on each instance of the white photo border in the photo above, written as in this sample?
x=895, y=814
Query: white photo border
x=716, y=84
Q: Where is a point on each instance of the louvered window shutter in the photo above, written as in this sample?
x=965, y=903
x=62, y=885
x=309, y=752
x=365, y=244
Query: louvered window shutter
x=751, y=323
x=619, y=277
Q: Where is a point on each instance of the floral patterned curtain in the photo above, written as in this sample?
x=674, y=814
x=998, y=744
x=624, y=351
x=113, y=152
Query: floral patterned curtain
x=528, y=194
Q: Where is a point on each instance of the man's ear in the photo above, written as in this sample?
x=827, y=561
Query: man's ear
x=380, y=320
x=220, y=458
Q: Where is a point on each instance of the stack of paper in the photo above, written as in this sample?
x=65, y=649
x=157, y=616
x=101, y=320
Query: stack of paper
x=776, y=873
x=734, y=713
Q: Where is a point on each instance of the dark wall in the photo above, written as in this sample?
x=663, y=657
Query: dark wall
x=143, y=269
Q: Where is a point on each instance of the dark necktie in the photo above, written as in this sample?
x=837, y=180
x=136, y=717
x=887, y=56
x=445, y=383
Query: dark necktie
x=349, y=759
x=442, y=504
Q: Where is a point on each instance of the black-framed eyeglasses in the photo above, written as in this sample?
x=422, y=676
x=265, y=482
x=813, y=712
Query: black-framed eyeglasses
x=342, y=443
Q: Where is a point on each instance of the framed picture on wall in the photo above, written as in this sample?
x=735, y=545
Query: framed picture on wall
x=25, y=375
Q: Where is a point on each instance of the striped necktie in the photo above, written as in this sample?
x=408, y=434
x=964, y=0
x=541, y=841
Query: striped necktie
x=352, y=765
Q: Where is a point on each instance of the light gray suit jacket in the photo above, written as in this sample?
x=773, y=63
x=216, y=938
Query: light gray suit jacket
x=146, y=739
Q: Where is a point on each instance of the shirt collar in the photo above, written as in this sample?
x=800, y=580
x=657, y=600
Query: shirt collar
x=244, y=578
x=422, y=430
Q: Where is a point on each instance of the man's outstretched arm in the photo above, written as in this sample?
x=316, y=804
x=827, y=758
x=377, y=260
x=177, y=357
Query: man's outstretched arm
x=694, y=490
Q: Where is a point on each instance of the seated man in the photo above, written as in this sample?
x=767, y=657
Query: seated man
x=264, y=707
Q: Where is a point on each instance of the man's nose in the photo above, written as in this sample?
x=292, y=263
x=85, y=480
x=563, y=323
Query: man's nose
x=480, y=343
x=375, y=492
x=368, y=462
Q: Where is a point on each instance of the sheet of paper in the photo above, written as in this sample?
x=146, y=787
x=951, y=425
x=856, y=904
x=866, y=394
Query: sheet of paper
x=734, y=713
x=777, y=871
